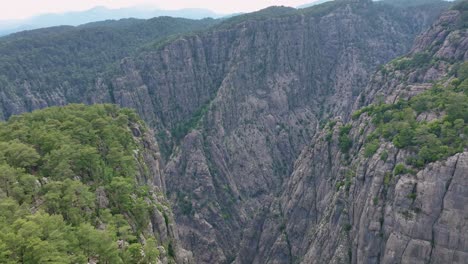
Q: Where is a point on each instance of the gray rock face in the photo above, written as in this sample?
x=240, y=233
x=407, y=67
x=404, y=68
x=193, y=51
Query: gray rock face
x=273, y=81
x=358, y=211
x=162, y=224
x=374, y=222
x=436, y=232
x=254, y=180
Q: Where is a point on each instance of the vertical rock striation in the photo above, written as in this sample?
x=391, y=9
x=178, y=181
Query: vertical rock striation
x=355, y=209
x=238, y=112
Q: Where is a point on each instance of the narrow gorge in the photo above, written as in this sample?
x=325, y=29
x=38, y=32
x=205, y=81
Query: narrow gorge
x=334, y=133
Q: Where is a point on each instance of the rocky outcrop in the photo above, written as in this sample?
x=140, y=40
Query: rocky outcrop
x=161, y=223
x=353, y=209
x=239, y=111
x=265, y=85
x=442, y=41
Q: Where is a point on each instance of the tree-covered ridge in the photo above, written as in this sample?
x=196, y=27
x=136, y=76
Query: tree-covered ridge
x=69, y=191
x=406, y=3
x=441, y=136
x=430, y=125
x=76, y=56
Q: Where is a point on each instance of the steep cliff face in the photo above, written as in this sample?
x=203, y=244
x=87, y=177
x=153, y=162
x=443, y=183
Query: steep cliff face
x=235, y=110
x=318, y=46
x=254, y=94
x=161, y=224
x=365, y=206
x=278, y=78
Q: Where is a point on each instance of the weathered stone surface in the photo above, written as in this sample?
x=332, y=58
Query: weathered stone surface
x=378, y=217
x=255, y=180
x=265, y=111
x=161, y=223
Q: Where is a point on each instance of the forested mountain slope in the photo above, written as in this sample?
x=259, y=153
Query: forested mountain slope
x=55, y=66
x=240, y=113
x=82, y=185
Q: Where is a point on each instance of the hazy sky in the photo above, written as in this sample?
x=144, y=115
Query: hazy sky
x=17, y=9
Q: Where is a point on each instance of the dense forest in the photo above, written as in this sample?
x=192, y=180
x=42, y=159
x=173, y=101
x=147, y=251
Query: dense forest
x=69, y=188
x=77, y=57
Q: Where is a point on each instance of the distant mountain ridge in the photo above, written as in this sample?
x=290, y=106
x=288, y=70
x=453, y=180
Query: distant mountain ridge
x=99, y=13
x=393, y=2
x=317, y=2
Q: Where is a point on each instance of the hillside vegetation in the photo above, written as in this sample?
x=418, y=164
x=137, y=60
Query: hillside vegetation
x=430, y=140
x=69, y=192
x=77, y=56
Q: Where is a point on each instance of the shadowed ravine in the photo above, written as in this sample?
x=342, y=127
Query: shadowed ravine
x=258, y=145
